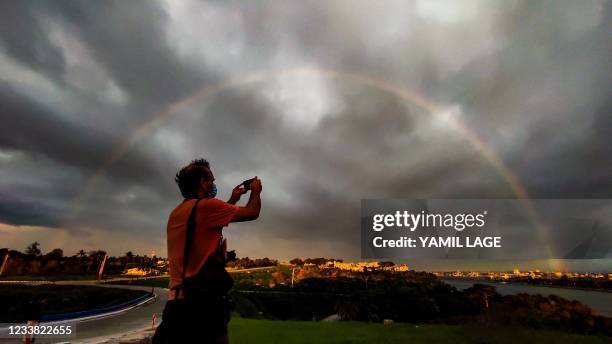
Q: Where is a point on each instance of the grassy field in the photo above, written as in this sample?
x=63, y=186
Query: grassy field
x=271, y=330
x=250, y=331
x=257, y=275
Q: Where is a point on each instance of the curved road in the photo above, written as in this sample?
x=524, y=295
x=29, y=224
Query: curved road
x=99, y=329
x=134, y=319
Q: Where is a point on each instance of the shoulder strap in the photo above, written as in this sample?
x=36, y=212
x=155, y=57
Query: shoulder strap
x=191, y=224
x=189, y=234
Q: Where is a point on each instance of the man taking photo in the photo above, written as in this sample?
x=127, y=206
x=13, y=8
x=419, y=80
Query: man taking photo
x=198, y=308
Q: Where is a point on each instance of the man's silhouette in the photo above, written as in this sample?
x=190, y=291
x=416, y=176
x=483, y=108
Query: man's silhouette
x=198, y=308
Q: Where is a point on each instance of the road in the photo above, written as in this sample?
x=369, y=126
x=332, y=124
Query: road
x=135, y=319
x=96, y=330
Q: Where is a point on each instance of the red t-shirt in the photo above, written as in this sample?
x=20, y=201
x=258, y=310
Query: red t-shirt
x=212, y=215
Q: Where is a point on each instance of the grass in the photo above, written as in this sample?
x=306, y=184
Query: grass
x=251, y=331
x=261, y=275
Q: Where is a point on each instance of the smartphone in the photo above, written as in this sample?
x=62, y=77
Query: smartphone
x=247, y=183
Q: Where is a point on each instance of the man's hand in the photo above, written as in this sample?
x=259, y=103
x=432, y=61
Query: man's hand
x=256, y=185
x=236, y=193
x=253, y=207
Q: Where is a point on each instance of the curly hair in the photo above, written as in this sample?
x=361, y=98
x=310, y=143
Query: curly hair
x=188, y=178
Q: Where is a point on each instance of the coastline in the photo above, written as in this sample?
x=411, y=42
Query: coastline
x=444, y=279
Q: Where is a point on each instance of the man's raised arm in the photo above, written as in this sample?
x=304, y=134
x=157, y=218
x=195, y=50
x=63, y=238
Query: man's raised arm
x=251, y=210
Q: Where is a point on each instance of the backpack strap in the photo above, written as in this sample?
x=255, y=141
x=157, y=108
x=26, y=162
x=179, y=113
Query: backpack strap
x=189, y=235
x=191, y=224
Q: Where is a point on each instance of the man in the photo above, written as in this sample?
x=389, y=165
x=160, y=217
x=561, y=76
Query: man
x=198, y=310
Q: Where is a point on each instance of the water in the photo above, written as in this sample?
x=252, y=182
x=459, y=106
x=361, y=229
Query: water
x=599, y=301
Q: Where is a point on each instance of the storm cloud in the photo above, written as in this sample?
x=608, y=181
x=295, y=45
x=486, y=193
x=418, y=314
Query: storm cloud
x=530, y=80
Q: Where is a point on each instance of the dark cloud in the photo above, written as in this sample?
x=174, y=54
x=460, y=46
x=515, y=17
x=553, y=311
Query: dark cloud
x=33, y=127
x=530, y=80
x=31, y=212
x=24, y=38
x=128, y=40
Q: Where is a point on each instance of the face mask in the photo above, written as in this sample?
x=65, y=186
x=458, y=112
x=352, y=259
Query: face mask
x=213, y=191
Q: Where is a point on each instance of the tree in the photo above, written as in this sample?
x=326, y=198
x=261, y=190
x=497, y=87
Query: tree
x=316, y=261
x=55, y=254
x=129, y=256
x=296, y=261
x=34, y=249
x=346, y=308
x=97, y=255
x=231, y=255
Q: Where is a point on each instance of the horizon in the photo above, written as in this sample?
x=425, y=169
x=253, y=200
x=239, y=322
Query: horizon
x=431, y=265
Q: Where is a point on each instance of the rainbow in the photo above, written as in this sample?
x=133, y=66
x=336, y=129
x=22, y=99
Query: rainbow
x=415, y=99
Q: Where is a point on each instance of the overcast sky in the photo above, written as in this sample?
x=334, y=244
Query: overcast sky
x=531, y=79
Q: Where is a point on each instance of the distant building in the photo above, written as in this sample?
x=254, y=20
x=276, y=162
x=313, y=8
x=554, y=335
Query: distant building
x=141, y=272
x=362, y=266
x=398, y=268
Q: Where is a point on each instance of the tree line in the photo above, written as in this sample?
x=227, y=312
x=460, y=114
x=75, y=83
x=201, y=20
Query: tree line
x=33, y=262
